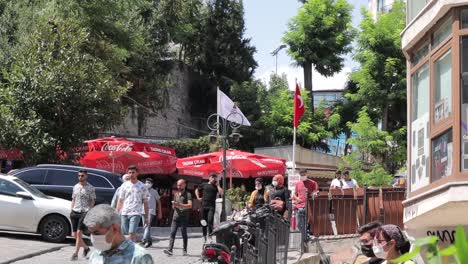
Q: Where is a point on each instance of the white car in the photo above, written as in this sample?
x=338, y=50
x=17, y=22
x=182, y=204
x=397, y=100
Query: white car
x=26, y=209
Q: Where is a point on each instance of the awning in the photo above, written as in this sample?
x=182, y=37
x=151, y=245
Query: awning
x=116, y=154
x=239, y=165
x=11, y=154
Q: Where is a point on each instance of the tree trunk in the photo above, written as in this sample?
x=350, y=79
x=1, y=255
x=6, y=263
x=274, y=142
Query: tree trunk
x=385, y=118
x=348, y=136
x=308, y=83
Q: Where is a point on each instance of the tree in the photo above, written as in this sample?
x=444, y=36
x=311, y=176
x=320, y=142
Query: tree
x=250, y=96
x=319, y=36
x=278, y=117
x=372, y=148
x=226, y=55
x=343, y=112
x=381, y=78
x=56, y=95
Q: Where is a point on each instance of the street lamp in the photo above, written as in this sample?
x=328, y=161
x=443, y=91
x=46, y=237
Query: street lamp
x=275, y=53
x=218, y=124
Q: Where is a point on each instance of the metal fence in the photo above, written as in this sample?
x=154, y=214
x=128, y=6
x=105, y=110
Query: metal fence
x=341, y=212
x=271, y=243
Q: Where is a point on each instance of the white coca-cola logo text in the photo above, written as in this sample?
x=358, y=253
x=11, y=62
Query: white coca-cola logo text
x=117, y=166
x=121, y=147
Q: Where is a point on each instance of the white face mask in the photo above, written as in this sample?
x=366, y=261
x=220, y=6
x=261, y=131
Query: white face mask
x=379, y=251
x=100, y=243
x=258, y=187
x=149, y=185
x=275, y=183
x=303, y=178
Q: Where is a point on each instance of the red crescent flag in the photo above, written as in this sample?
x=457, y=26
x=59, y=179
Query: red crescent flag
x=298, y=106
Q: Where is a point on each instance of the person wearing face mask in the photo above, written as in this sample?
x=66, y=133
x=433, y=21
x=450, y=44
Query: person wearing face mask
x=259, y=196
x=278, y=195
x=303, y=187
x=109, y=243
x=153, y=201
x=390, y=243
x=366, y=239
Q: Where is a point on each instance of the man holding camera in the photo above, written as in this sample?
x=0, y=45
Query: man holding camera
x=209, y=192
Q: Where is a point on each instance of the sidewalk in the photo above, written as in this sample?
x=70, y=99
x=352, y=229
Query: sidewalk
x=26, y=249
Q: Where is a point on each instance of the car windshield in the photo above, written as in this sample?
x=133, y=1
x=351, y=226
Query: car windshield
x=30, y=188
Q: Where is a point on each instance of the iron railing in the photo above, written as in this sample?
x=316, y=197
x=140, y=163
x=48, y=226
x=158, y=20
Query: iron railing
x=341, y=212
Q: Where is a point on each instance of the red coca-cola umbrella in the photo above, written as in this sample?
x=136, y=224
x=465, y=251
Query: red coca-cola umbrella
x=239, y=165
x=116, y=154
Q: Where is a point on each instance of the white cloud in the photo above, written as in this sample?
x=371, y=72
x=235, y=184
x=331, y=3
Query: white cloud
x=319, y=82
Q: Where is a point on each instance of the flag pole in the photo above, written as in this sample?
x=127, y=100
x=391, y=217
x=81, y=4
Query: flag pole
x=294, y=152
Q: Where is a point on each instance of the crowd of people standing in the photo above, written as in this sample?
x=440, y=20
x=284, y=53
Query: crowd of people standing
x=136, y=202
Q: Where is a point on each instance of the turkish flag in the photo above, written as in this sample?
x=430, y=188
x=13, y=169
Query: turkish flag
x=298, y=106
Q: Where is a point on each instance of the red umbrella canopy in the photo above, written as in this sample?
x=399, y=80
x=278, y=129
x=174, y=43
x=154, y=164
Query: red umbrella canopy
x=123, y=144
x=239, y=164
x=116, y=154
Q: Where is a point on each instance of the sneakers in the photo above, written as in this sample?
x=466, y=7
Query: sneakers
x=74, y=257
x=147, y=244
x=184, y=252
x=168, y=252
x=86, y=252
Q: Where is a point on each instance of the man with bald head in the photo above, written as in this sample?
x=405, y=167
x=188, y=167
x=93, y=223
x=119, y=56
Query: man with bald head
x=182, y=204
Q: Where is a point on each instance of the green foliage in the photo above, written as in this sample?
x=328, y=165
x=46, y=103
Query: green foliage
x=433, y=253
x=96, y=52
x=320, y=35
x=250, y=97
x=278, y=117
x=226, y=55
x=238, y=196
x=381, y=79
x=189, y=147
x=55, y=95
x=372, y=146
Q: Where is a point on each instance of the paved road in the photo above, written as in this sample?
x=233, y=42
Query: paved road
x=29, y=249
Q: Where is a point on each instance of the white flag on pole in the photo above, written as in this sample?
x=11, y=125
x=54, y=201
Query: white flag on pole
x=226, y=106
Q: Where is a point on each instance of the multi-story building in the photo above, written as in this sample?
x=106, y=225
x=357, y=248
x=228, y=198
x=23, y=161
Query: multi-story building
x=379, y=6
x=435, y=43
x=327, y=97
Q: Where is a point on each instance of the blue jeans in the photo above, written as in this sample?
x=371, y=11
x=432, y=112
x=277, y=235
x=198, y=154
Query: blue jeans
x=129, y=223
x=147, y=232
x=301, y=223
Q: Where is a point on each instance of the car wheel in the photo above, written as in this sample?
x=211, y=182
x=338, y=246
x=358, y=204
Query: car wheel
x=54, y=228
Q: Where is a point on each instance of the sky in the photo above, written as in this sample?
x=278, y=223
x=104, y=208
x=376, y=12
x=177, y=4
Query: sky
x=266, y=21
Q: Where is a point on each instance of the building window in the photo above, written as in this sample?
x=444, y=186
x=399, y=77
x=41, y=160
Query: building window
x=443, y=87
x=464, y=18
x=420, y=83
x=442, y=33
x=442, y=151
x=420, y=145
x=464, y=101
x=420, y=54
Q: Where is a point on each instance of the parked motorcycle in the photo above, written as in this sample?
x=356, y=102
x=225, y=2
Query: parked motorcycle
x=230, y=236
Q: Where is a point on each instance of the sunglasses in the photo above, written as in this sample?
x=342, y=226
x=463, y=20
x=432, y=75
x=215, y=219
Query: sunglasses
x=81, y=175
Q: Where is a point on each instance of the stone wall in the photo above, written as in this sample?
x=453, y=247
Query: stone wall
x=180, y=115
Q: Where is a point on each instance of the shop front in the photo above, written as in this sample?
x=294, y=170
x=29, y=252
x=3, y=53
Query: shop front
x=435, y=43
x=10, y=159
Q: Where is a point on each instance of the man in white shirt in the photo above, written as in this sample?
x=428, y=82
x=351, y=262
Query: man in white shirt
x=337, y=183
x=133, y=202
x=154, y=204
x=349, y=183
